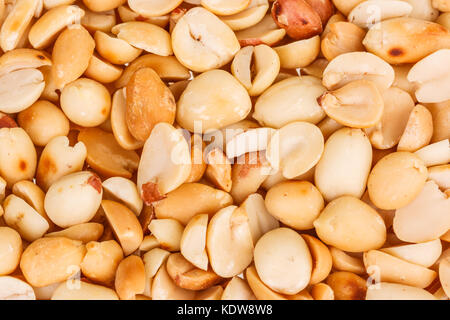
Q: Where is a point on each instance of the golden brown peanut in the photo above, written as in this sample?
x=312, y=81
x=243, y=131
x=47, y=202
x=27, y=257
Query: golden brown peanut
x=229, y=242
x=247, y=18
x=398, y=106
x=209, y=108
x=11, y=250
x=424, y=254
x=299, y=54
x=191, y=199
x=322, y=291
x=260, y=290
x=49, y=92
x=168, y=232
x=349, y=224
x=265, y=31
x=130, y=278
x=425, y=218
x=102, y=71
x=345, y=262
x=346, y=6
x=43, y=121
x=337, y=17
x=218, y=170
x=115, y=50
x=321, y=259
x=163, y=288
x=393, y=291
x=125, y=225
x=17, y=155
x=295, y=203
x=149, y=243
x=345, y=164
x=50, y=260
x=347, y=286
x=85, y=291
x=343, y=37
x=105, y=155
x=293, y=99
x=84, y=232
x=418, y=131
x=103, y=5
x=12, y=288
x=283, y=249
x=101, y=261
x=187, y=276
x=396, y=180
x=401, y=79
x=391, y=269
x=22, y=59
x=444, y=20
x=198, y=163
x=71, y=55
x=149, y=101
x=407, y=40
x=59, y=159
x=358, y=104
x=201, y=41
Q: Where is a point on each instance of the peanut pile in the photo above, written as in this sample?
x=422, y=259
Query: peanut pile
x=225, y=149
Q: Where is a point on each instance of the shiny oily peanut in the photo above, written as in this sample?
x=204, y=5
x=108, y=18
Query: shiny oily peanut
x=345, y=164
x=130, y=278
x=347, y=286
x=396, y=180
x=149, y=101
x=11, y=248
x=295, y=203
x=102, y=71
x=349, y=224
x=43, y=121
x=51, y=260
x=283, y=249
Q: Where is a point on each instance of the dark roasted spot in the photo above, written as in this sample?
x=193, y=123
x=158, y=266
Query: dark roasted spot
x=95, y=182
x=40, y=56
x=395, y=52
x=7, y=122
x=303, y=21
x=22, y=165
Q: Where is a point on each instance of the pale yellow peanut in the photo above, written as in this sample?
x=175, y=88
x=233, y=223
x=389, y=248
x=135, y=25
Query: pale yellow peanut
x=225, y=7
x=86, y=291
x=12, y=288
x=394, y=291
x=115, y=50
x=423, y=10
x=248, y=17
x=219, y=169
x=424, y=254
x=102, y=71
x=22, y=59
x=193, y=241
x=440, y=175
x=103, y=5
x=168, y=232
x=435, y=154
x=125, y=191
x=265, y=31
x=153, y=8
x=84, y=232
x=103, y=21
x=11, y=250
x=345, y=6
x=299, y=54
x=321, y=259
x=343, y=37
x=126, y=14
x=418, y=131
x=322, y=291
x=163, y=288
x=237, y=289
x=342, y=261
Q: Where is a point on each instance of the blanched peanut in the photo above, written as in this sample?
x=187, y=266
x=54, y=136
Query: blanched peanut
x=256, y=68
x=289, y=142
x=126, y=14
x=15, y=289
x=237, y=289
x=394, y=291
x=260, y=220
x=11, y=250
x=398, y=106
x=391, y=269
x=106, y=156
x=407, y=40
x=345, y=164
x=418, y=131
x=187, y=276
x=46, y=29
x=165, y=163
x=149, y=101
x=247, y=18
x=93, y=21
x=163, y=288
x=299, y=54
x=125, y=225
x=202, y=107
x=441, y=124
x=423, y=10
x=440, y=175
x=145, y=36
x=43, y=121
x=295, y=203
x=20, y=89
x=201, y=41
x=153, y=8
x=260, y=290
x=349, y=224
x=264, y=32
x=352, y=66
x=293, y=99
x=102, y=71
x=213, y=293
x=23, y=59
x=321, y=259
x=50, y=260
x=115, y=50
x=424, y=254
x=435, y=154
x=368, y=13
x=168, y=232
x=124, y=190
x=74, y=199
x=84, y=232
x=85, y=291
x=229, y=242
x=71, y=55
x=396, y=180
x=347, y=286
x=225, y=7
x=425, y=218
x=345, y=262
x=358, y=104
x=444, y=275
x=103, y=5
x=218, y=170
x=191, y=199
x=193, y=241
x=58, y=159
x=343, y=37
x=329, y=126
x=130, y=278
x=149, y=243
x=283, y=261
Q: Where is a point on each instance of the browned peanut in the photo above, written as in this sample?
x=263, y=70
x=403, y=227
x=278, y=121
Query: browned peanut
x=343, y=37
x=130, y=278
x=321, y=259
x=347, y=286
x=219, y=169
x=103, y=5
x=84, y=232
x=115, y=50
x=418, y=131
x=322, y=291
x=163, y=288
x=102, y=71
